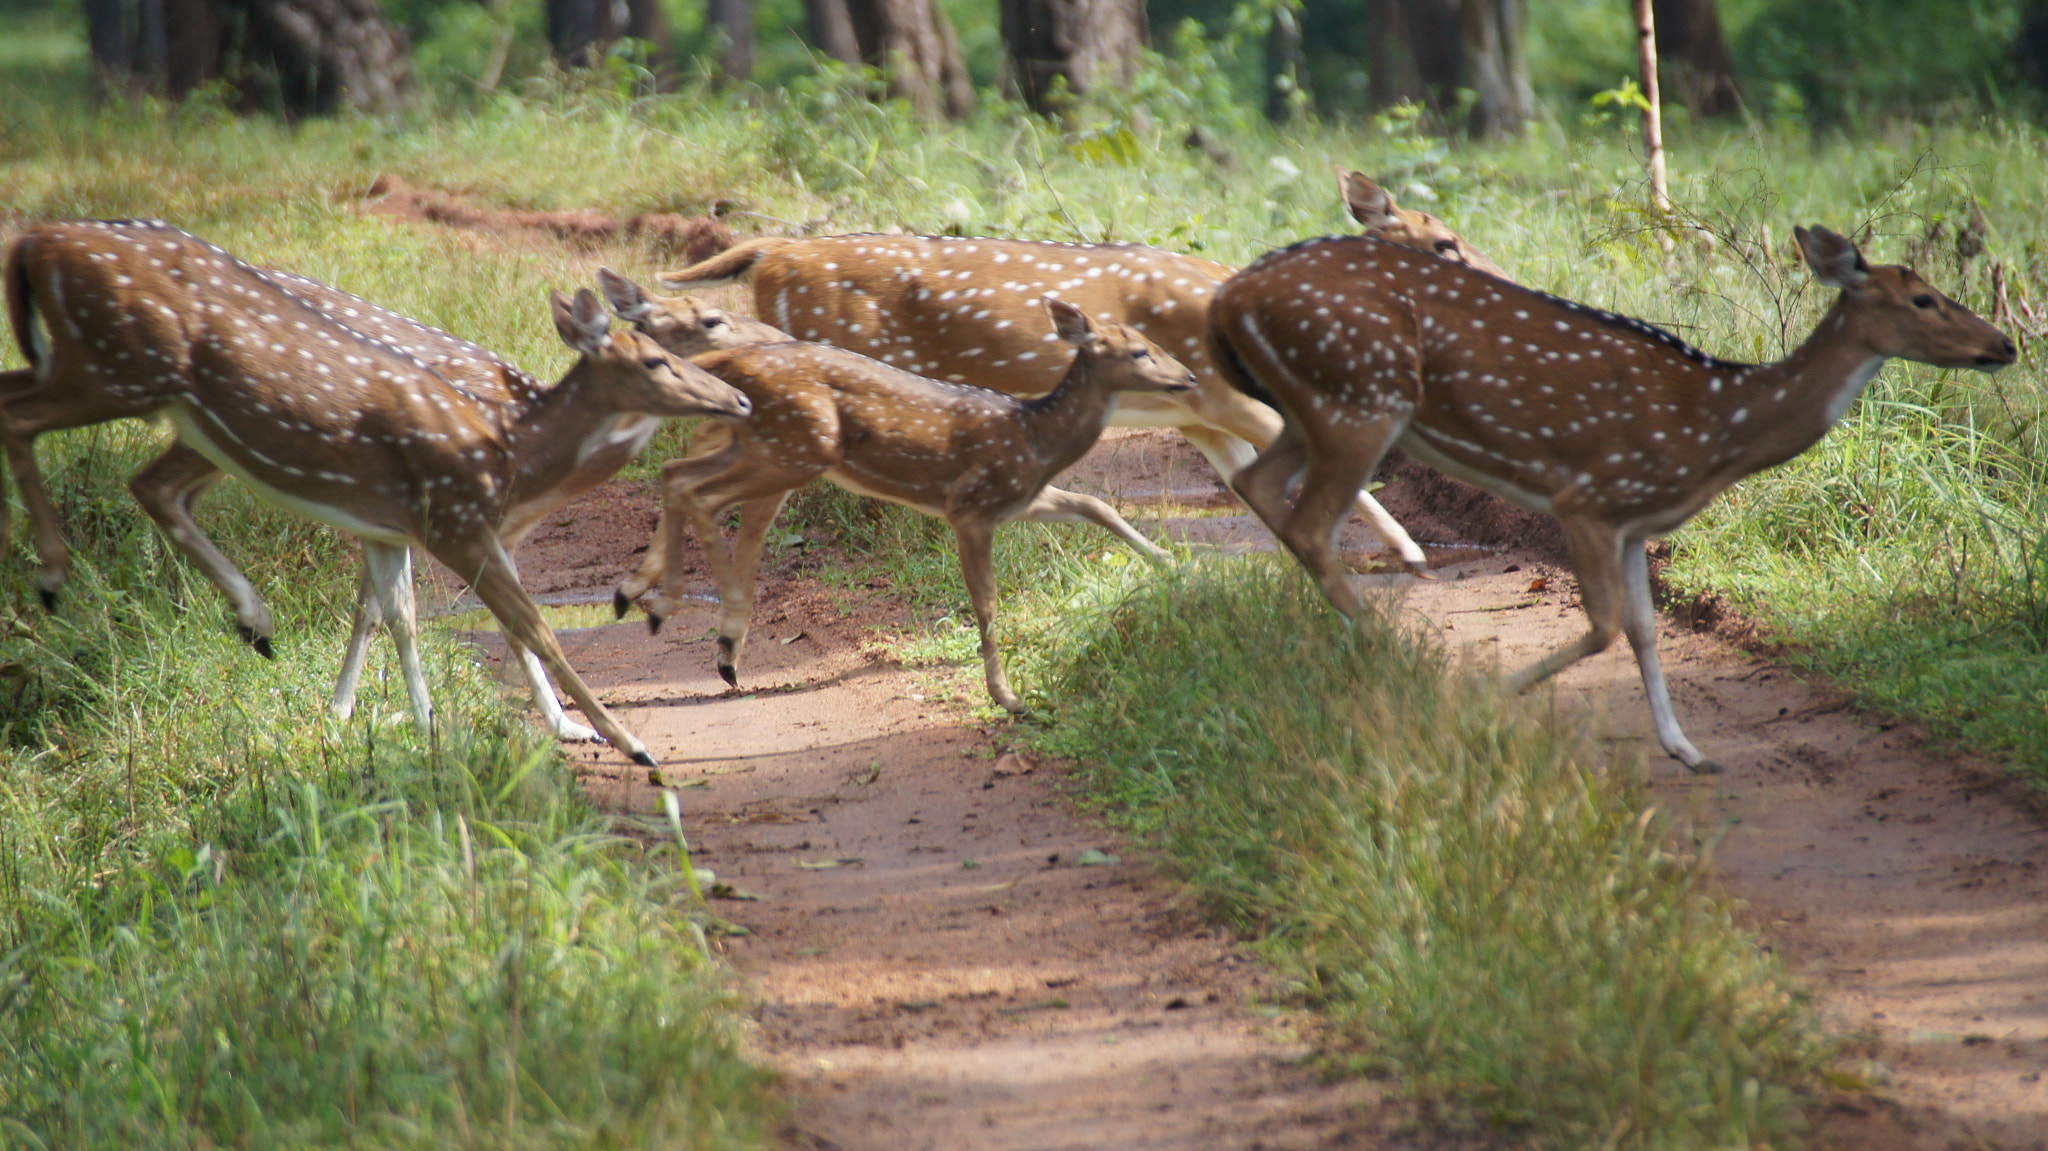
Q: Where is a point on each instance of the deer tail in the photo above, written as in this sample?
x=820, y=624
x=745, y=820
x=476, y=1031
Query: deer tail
x=726, y=266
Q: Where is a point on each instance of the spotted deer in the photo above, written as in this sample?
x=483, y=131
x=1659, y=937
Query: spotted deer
x=968, y=311
x=133, y=318
x=973, y=457
x=1611, y=425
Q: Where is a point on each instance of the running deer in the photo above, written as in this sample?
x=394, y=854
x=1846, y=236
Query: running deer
x=129, y=318
x=1611, y=425
x=973, y=457
x=968, y=311
x=687, y=326
x=170, y=485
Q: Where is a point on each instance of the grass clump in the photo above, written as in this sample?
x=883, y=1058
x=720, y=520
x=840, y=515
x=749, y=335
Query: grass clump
x=1473, y=894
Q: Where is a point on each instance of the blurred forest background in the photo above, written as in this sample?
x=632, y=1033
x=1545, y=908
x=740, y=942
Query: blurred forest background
x=1483, y=66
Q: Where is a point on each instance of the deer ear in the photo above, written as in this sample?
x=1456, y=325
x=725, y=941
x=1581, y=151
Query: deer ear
x=1833, y=258
x=1070, y=322
x=628, y=299
x=1369, y=203
x=583, y=323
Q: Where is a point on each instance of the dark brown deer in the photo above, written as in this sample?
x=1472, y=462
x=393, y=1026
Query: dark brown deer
x=132, y=318
x=1616, y=428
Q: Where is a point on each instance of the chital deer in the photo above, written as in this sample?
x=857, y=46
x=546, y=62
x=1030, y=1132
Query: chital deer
x=135, y=318
x=1616, y=428
x=168, y=486
x=974, y=457
x=967, y=311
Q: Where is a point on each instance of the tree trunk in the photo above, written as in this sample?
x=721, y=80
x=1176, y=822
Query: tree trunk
x=1285, y=65
x=581, y=31
x=1417, y=53
x=1086, y=42
x=1698, y=71
x=915, y=46
x=1495, y=66
x=302, y=57
x=734, y=20
x=831, y=29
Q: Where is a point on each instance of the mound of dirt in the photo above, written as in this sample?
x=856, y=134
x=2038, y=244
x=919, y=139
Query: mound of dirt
x=680, y=239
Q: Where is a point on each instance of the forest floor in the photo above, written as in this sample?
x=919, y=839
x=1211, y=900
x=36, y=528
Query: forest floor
x=934, y=967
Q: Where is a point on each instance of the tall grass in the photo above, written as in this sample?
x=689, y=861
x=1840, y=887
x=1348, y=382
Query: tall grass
x=1477, y=897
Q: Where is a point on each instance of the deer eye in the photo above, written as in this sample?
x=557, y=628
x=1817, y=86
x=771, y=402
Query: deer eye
x=1140, y=354
x=1446, y=246
x=713, y=321
x=1923, y=300
x=654, y=364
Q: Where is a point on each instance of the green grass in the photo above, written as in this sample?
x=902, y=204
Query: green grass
x=1473, y=893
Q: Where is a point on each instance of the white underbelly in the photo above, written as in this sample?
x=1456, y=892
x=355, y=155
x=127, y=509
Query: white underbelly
x=1418, y=447
x=191, y=435
x=839, y=477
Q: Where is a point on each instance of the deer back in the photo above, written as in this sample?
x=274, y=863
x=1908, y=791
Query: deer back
x=969, y=310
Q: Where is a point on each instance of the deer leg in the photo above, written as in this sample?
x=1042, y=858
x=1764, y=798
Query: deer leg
x=666, y=546
x=1058, y=506
x=1244, y=424
x=1262, y=484
x=1327, y=490
x=1639, y=623
x=737, y=582
x=387, y=575
x=1597, y=561
x=976, y=541
x=558, y=722
x=165, y=489
x=368, y=615
x=496, y=583
x=12, y=383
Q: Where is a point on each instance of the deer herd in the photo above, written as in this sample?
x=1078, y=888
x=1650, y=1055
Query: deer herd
x=954, y=376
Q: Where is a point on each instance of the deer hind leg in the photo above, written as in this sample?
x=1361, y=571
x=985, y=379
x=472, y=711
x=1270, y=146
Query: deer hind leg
x=1639, y=623
x=53, y=555
x=976, y=541
x=368, y=615
x=1059, y=506
x=1242, y=424
x=497, y=584
x=387, y=576
x=166, y=489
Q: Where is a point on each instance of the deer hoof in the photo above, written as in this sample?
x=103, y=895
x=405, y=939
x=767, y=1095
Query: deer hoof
x=644, y=759
x=729, y=674
x=654, y=620
x=260, y=642
x=49, y=598
x=620, y=605
x=1704, y=767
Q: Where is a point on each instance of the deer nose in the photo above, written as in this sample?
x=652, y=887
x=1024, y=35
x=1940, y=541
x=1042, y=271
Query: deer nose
x=741, y=405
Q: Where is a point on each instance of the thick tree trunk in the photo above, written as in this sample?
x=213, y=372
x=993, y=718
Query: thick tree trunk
x=1495, y=66
x=302, y=57
x=580, y=31
x=734, y=20
x=1698, y=71
x=1416, y=52
x=1085, y=42
x=915, y=46
x=831, y=28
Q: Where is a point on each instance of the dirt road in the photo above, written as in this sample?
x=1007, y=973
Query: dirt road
x=937, y=968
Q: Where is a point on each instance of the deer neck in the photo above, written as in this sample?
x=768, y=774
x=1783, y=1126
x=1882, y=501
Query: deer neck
x=1065, y=422
x=1794, y=402
x=548, y=434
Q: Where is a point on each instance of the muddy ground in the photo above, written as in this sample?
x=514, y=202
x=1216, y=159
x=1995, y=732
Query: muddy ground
x=936, y=968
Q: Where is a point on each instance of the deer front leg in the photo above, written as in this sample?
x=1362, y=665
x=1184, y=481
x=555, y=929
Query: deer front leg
x=519, y=618
x=387, y=575
x=367, y=616
x=976, y=542
x=1059, y=506
x=165, y=489
x=666, y=546
x=1596, y=553
x=737, y=577
x=1639, y=623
